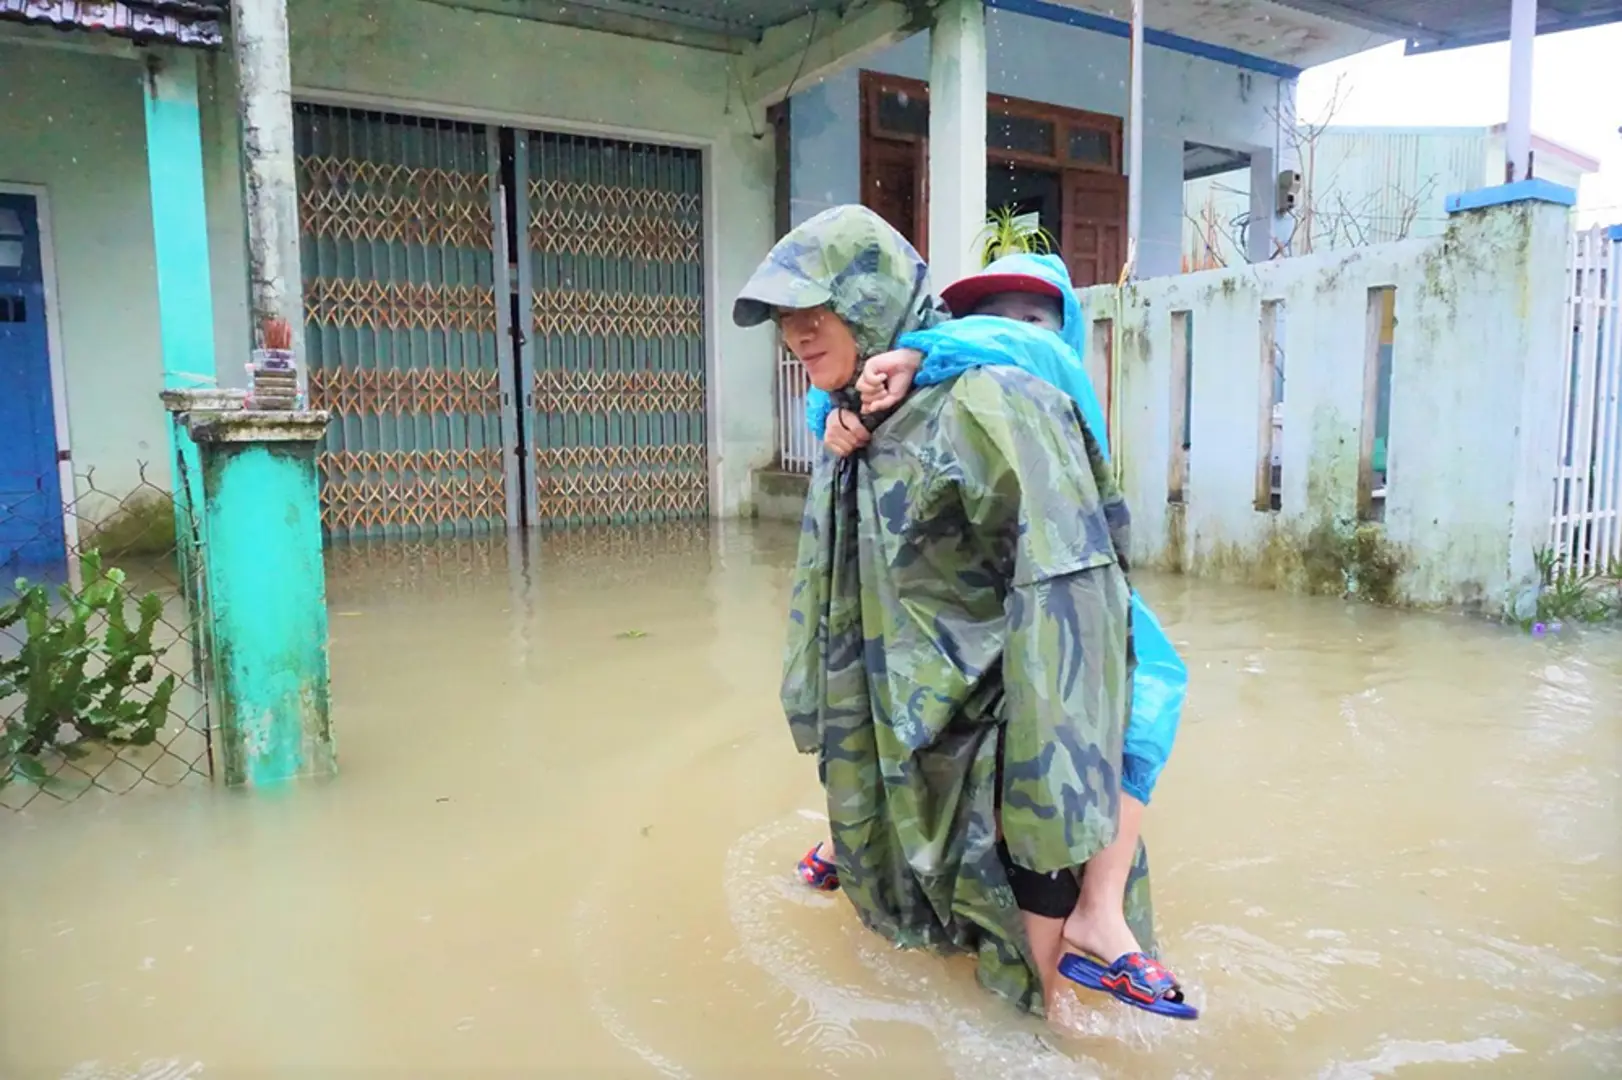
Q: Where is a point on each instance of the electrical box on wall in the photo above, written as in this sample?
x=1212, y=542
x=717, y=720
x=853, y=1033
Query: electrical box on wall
x=1289, y=191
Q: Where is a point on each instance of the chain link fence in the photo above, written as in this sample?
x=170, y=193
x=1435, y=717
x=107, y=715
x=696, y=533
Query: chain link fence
x=132, y=529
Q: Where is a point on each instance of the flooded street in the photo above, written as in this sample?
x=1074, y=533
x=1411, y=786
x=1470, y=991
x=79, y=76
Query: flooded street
x=563, y=838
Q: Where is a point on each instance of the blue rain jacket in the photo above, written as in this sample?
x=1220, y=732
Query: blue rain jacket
x=1160, y=682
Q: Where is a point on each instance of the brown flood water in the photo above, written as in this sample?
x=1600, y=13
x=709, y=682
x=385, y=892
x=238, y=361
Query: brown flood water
x=562, y=845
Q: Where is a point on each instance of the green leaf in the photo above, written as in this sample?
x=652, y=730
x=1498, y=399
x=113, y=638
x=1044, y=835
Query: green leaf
x=29, y=768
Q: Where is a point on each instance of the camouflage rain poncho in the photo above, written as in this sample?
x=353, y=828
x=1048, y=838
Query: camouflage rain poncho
x=956, y=582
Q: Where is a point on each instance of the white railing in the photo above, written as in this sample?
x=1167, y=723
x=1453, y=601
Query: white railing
x=796, y=449
x=1586, y=532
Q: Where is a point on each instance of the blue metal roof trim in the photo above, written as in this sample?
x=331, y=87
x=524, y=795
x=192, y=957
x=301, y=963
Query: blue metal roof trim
x=1068, y=16
x=1615, y=233
x=1533, y=190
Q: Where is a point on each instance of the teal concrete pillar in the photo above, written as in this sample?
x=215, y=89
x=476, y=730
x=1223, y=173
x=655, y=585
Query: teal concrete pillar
x=187, y=488
x=265, y=594
x=174, y=157
x=174, y=154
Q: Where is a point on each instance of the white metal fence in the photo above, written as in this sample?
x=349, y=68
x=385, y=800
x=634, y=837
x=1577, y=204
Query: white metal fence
x=1586, y=532
x=796, y=449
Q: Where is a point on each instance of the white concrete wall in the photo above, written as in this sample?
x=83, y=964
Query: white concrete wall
x=1186, y=98
x=410, y=55
x=74, y=123
x=1475, y=403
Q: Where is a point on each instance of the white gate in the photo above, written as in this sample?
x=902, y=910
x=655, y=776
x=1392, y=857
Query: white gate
x=1586, y=532
x=796, y=449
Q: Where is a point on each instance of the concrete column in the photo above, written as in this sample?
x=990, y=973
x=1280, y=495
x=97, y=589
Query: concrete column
x=266, y=603
x=1134, y=142
x=957, y=138
x=1513, y=331
x=264, y=76
x=174, y=157
x=187, y=492
x=1523, y=28
x=1259, y=233
x=1274, y=232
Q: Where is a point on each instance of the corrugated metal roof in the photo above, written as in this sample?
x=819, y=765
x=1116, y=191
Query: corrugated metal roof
x=1430, y=25
x=180, y=22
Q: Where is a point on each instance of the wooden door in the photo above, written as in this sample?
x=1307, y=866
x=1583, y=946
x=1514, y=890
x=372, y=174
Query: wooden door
x=1094, y=216
x=895, y=182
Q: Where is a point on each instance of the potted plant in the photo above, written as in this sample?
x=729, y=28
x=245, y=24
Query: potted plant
x=1009, y=232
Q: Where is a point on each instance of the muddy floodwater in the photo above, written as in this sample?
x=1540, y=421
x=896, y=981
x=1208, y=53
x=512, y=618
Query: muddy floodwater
x=563, y=838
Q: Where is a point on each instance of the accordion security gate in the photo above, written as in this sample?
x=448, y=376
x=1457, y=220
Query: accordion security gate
x=614, y=270
x=410, y=295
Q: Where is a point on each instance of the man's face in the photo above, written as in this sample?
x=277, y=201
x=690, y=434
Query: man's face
x=1043, y=311
x=821, y=341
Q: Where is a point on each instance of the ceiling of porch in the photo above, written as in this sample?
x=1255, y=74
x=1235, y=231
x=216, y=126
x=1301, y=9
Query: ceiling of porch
x=1300, y=33
x=1430, y=25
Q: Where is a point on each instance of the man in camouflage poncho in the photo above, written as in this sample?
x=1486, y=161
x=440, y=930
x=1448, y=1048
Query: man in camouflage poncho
x=959, y=651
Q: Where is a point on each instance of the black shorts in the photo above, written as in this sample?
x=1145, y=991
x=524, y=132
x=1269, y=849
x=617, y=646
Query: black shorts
x=1052, y=895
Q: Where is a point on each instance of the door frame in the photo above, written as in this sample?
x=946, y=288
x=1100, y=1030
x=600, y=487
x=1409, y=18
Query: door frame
x=714, y=316
x=872, y=84
x=53, y=354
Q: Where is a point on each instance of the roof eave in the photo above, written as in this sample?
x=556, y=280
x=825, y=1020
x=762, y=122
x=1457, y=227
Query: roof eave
x=130, y=22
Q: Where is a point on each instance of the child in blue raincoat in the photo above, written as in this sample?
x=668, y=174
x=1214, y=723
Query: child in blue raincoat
x=1021, y=311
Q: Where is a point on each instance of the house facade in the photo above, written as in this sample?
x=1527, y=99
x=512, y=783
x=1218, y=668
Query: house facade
x=511, y=231
x=1057, y=78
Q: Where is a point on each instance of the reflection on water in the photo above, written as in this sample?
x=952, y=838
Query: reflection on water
x=563, y=837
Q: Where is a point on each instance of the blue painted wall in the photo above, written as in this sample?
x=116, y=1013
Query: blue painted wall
x=1186, y=98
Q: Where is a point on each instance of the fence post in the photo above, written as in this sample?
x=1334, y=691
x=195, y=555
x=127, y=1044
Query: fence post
x=265, y=593
x=1507, y=252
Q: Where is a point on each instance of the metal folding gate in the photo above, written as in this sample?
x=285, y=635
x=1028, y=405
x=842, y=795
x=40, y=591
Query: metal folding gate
x=615, y=357
x=397, y=230
x=410, y=297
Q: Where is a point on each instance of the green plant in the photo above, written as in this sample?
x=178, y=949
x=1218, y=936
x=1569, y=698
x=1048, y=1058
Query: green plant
x=1344, y=557
x=77, y=671
x=1008, y=232
x=143, y=525
x=1565, y=595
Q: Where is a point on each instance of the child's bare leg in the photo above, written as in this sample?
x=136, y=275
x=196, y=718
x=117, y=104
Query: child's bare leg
x=1046, y=937
x=1098, y=925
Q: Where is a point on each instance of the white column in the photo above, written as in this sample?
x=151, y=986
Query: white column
x=1134, y=142
x=1523, y=26
x=957, y=138
x=270, y=189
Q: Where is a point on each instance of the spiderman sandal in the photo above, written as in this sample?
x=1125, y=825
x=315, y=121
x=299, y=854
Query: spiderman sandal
x=818, y=872
x=1136, y=979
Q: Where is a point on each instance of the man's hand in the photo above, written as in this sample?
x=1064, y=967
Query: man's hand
x=886, y=378
x=844, y=434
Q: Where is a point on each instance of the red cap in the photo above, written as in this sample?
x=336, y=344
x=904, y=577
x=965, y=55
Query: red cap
x=965, y=294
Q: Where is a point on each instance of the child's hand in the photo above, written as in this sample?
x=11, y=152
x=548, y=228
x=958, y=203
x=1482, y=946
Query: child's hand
x=886, y=378
x=844, y=434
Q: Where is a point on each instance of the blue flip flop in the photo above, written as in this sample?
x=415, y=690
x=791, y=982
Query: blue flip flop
x=1135, y=979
